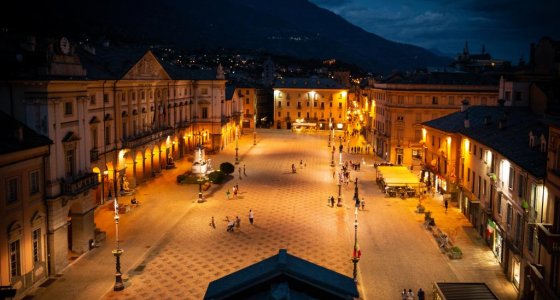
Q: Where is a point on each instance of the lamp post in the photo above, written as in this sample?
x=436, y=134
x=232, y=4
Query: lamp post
x=200, y=197
x=119, y=286
x=356, y=254
x=255, y=137
x=340, y=150
x=201, y=175
x=330, y=126
x=332, y=157
x=339, y=199
x=236, y=145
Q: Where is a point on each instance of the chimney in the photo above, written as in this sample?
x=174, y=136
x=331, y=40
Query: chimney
x=19, y=134
x=502, y=123
x=464, y=105
x=467, y=122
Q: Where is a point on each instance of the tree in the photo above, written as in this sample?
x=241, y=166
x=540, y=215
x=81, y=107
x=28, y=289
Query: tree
x=227, y=168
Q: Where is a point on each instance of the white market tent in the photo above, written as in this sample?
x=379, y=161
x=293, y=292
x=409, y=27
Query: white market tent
x=397, y=176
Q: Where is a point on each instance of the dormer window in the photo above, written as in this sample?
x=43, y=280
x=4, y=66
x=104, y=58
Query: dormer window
x=543, y=143
x=531, y=140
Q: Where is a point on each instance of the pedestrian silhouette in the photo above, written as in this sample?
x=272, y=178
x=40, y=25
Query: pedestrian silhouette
x=251, y=216
x=446, y=204
x=212, y=223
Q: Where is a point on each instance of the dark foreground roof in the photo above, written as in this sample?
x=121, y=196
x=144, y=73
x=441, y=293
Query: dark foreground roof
x=511, y=141
x=283, y=275
x=464, y=291
x=10, y=141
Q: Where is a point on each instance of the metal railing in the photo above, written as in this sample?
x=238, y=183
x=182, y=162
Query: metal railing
x=77, y=184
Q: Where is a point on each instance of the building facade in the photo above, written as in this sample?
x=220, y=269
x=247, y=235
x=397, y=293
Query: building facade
x=117, y=117
x=492, y=161
x=314, y=103
x=23, y=241
x=398, y=106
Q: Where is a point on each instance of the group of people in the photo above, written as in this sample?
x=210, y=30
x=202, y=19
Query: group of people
x=233, y=223
x=410, y=294
x=235, y=190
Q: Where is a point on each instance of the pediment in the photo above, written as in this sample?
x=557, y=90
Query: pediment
x=70, y=137
x=147, y=68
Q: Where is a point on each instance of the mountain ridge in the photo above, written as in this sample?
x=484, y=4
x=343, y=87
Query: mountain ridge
x=292, y=27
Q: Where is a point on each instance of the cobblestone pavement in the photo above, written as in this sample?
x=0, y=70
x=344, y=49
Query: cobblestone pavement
x=171, y=252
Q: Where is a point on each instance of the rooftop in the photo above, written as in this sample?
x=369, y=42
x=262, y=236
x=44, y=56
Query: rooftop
x=510, y=140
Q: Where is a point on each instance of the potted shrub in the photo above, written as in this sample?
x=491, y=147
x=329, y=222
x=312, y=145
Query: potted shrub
x=455, y=253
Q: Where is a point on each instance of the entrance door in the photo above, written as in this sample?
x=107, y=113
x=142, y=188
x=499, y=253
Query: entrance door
x=69, y=226
x=399, y=156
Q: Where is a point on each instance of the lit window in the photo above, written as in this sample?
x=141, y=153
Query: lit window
x=15, y=269
x=36, y=245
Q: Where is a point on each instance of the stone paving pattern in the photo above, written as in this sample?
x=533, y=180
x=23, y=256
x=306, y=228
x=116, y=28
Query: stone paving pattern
x=171, y=252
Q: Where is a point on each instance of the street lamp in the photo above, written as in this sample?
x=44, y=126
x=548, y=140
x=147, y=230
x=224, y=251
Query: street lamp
x=339, y=199
x=236, y=145
x=332, y=157
x=119, y=286
x=200, y=197
x=340, y=150
x=201, y=175
x=356, y=254
x=330, y=126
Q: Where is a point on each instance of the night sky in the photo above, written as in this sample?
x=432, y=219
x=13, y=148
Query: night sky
x=505, y=27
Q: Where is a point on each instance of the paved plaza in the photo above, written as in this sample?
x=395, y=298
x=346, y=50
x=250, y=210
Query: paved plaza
x=171, y=252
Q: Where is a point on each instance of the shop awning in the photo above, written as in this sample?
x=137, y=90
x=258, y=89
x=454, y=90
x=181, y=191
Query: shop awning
x=397, y=176
x=463, y=291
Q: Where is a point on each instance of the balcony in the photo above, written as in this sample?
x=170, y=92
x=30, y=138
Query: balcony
x=77, y=184
x=93, y=155
x=535, y=275
x=145, y=138
x=550, y=241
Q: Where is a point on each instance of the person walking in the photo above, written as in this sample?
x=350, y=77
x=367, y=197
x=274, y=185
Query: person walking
x=410, y=295
x=244, y=173
x=251, y=216
x=420, y=294
x=237, y=222
x=227, y=194
x=404, y=294
x=363, y=204
x=446, y=204
x=234, y=192
x=239, y=173
x=212, y=223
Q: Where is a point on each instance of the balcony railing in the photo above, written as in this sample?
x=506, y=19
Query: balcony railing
x=77, y=184
x=156, y=135
x=93, y=155
x=550, y=241
x=539, y=282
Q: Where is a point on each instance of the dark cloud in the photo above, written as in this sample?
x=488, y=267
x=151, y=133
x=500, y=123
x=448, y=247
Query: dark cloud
x=331, y=3
x=506, y=27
